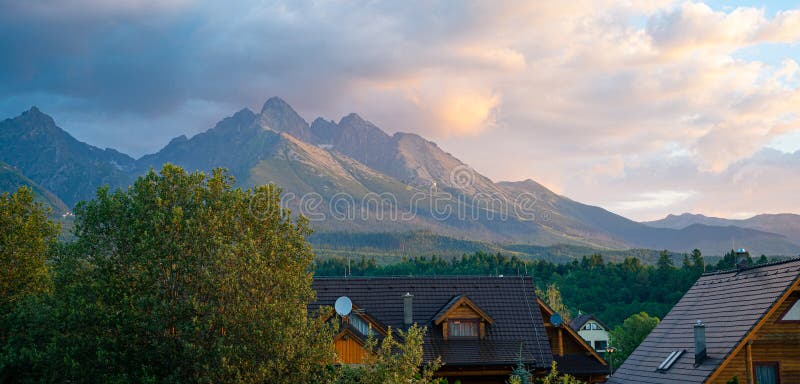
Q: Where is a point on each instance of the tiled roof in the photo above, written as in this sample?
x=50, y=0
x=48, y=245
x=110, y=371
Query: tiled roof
x=729, y=303
x=510, y=301
x=579, y=321
x=575, y=364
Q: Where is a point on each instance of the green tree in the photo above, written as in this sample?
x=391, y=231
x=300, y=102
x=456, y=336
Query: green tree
x=697, y=261
x=665, y=261
x=183, y=278
x=552, y=296
x=395, y=360
x=630, y=334
x=553, y=377
x=26, y=236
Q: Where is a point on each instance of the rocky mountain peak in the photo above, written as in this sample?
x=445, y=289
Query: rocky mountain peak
x=279, y=116
x=37, y=117
x=325, y=131
x=276, y=104
x=244, y=113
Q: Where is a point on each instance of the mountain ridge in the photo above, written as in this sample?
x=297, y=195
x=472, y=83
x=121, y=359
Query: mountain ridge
x=786, y=224
x=402, y=174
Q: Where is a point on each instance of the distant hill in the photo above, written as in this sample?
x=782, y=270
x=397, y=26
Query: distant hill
x=389, y=248
x=352, y=177
x=785, y=224
x=11, y=179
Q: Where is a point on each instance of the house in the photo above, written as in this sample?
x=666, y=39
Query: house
x=742, y=324
x=592, y=330
x=480, y=327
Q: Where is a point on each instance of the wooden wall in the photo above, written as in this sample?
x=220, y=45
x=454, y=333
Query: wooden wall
x=775, y=341
x=348, y=351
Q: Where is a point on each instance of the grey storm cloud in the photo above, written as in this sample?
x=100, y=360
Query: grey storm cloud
x=582, y=96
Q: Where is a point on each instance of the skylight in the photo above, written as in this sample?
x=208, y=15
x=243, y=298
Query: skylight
x=670, y=360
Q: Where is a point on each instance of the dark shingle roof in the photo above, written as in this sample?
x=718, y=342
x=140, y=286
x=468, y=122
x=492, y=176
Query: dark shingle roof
x=579, y=321
x=510, y=301
x=575, y=364
x=729, y=303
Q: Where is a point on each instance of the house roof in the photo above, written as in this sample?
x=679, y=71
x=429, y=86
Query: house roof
x=730, y=303
x=579, y=321
x=509, y=301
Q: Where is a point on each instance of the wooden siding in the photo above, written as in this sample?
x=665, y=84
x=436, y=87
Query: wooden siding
x=348, y=350
x=775, y=341
x=463, y=312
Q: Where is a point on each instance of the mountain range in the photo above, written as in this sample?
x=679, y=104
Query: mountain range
x=352, y=177
x=786, y=224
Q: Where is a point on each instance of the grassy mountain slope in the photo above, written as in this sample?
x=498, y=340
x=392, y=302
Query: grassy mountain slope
x=12, y=179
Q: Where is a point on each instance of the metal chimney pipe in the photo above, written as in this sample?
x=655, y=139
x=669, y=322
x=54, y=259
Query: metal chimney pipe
x=699, y=343
x=408, y=309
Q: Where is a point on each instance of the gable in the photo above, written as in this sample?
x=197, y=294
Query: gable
x=461, y=307
x=349, y=347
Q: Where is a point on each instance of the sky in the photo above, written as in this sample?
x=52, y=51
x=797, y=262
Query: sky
x=643, y=107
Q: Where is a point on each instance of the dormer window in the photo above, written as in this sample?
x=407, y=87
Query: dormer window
x=467, y=328
x=460, y=318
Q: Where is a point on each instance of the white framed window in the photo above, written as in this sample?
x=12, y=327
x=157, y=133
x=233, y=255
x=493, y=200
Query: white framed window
x=592, y=327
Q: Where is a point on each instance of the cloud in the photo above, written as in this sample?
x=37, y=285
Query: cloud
x=694, y=26
x=652, y=200
x=761, y=183
x=579, y=95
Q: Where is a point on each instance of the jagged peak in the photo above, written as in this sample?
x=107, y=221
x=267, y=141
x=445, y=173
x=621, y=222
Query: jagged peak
x=36, y=119
x=35, y=112
x=276, y=103
x=320, y=120
x=353, y=118
x=352, y=122
x=244, y=113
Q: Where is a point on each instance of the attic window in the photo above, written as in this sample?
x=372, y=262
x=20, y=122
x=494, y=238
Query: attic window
x=592, y=327
x=669, y=361
x=463, y=328
x=793, y=314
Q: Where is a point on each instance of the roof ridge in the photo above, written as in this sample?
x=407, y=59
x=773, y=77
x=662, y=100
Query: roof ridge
x=779, y=262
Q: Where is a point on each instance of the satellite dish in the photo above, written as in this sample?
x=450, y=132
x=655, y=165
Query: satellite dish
x=556, y=320
x=343, y=306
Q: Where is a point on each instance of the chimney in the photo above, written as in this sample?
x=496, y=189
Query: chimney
x=699, y=343
x=742, y=257
x=408, y=309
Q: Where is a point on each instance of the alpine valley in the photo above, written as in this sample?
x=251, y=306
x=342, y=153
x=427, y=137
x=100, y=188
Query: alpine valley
x=367, y=192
